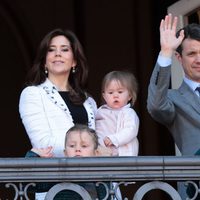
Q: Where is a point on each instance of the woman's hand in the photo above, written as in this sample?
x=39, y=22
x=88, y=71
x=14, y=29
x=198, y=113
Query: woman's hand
x=43, y=152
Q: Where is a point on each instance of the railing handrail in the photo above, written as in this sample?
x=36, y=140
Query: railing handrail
x=138, y=168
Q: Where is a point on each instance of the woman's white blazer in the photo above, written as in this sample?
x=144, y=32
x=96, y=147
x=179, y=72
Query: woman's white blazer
x=47, y=118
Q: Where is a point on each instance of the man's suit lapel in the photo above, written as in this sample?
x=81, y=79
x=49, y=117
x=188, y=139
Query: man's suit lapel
x=189, y=96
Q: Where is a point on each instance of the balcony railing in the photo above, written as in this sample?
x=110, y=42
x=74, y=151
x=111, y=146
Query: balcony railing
x=19, y=174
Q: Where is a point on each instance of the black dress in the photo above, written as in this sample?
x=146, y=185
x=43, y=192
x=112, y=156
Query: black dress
x=78, y=112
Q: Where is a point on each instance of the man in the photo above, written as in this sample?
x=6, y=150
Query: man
x=178, y=109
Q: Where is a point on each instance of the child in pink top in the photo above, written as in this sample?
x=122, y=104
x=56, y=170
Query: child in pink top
x=117, y=123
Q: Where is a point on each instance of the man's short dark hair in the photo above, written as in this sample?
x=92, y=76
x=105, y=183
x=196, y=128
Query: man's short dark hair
x=191, y=31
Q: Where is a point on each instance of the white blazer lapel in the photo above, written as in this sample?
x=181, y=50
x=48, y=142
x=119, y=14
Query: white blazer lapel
x=90, y=106
x=54, y=95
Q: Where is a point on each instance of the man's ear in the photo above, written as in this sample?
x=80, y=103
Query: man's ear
x=178, y=57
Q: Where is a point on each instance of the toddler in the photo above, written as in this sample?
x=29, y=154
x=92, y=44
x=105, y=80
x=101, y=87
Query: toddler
x=80, y=141
x=117, y=123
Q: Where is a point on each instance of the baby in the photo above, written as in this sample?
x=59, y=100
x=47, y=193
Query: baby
x=117, y=123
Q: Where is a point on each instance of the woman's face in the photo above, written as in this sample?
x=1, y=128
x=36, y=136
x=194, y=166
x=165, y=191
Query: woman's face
x=59, y=58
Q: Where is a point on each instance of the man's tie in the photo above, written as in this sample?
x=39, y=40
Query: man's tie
x=198, y=90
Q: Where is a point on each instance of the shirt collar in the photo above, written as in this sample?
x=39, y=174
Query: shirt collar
x=192, y=84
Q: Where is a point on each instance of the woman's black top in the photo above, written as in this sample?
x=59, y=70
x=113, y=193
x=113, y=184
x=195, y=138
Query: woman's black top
x=78, y=112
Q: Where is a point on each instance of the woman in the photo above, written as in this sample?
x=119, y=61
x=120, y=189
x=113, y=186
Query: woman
x=55, y=98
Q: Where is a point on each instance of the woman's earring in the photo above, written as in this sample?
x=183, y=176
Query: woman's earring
x=46, y=71
x=73, y=70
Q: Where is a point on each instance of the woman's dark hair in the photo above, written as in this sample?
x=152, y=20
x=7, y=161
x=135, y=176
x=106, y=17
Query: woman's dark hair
x=77, y=80
x=191, y=31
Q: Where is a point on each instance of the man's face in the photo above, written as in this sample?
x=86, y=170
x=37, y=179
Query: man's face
x=190, y=59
